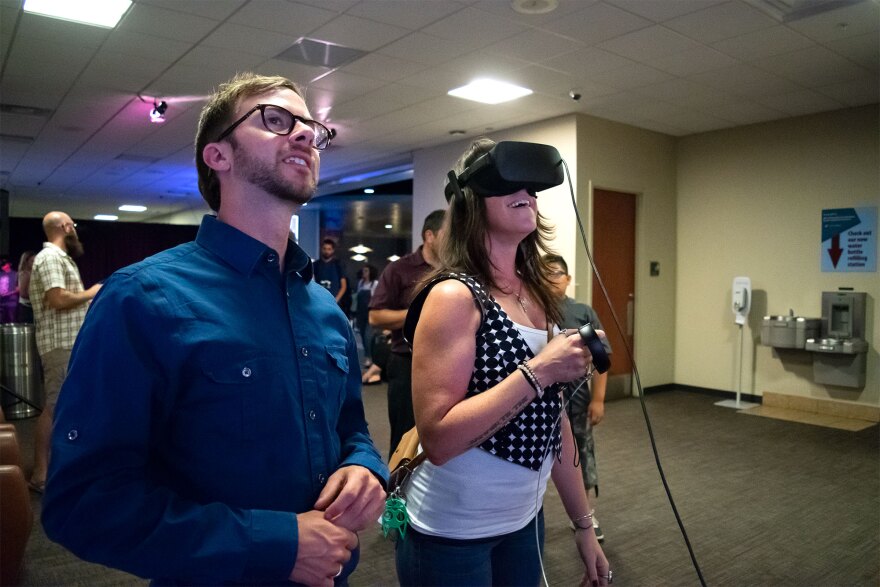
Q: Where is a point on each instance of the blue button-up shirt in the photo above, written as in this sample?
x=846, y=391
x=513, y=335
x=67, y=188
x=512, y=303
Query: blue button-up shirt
x=209, y=398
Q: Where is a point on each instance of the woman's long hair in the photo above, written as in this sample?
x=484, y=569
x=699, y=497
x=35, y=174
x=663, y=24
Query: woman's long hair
x=463, y=248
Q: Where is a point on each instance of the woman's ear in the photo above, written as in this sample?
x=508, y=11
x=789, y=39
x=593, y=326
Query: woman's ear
x=217, y=156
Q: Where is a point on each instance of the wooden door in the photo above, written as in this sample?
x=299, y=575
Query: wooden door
x=614, y=250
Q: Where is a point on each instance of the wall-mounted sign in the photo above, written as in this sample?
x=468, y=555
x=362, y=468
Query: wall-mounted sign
x=849, y=239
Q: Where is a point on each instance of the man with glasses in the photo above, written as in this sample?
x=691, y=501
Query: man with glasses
x=60, y=302
x=585, y=404
x=221, y=437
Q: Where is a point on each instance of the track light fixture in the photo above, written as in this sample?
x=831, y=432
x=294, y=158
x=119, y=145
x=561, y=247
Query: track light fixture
x=157, y=114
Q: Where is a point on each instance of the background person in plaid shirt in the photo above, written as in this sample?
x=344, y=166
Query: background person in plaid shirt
x=60, y=303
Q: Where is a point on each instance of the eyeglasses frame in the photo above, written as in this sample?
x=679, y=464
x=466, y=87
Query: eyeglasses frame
x=262, y=109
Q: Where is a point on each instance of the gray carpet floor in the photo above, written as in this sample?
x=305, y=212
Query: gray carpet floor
x=764, y=502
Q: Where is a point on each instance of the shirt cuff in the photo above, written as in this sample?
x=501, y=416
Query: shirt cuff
x=274, y=542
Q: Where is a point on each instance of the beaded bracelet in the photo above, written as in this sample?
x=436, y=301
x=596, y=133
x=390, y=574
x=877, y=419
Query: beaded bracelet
x=530, y=377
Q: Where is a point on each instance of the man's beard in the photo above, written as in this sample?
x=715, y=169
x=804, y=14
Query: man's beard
x=267, y=178
x=73, y=245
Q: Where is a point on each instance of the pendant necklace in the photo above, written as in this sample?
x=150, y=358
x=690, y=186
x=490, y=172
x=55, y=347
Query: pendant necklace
x=522, y=301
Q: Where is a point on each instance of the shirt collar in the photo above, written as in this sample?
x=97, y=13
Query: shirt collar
x=48, y=245
x=245, y=253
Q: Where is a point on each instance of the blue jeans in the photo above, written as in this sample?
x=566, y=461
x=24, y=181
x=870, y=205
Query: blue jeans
x=511, y=559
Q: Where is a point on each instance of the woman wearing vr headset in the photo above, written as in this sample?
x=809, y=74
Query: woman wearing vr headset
x=488, y=361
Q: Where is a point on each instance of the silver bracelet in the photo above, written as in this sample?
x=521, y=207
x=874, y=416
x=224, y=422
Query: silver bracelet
x=534, y=375
x=584, y=517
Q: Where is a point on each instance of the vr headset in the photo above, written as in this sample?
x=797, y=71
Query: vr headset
x=509, y=167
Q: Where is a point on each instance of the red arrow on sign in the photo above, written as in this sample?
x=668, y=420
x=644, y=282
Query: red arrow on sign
x=835, y=251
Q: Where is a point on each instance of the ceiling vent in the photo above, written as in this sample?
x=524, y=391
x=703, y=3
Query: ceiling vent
x=320, y=54
x=791, y=10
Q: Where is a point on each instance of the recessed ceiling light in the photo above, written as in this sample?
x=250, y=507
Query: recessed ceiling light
x=389, y=226
x=490, y=91
x=369, y=191
x=102, y=13
x=360, y=249
x=106, y=217
x=393, y=258
x=132, y=208
x=358, y=258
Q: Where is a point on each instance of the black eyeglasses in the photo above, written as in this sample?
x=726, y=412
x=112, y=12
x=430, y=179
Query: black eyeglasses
x=281, y=122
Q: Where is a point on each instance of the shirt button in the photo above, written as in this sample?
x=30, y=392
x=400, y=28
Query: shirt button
x=271, y=257
x=73, y=434
x=312, y=415
x=304, y=351
x=321, y=478
x=246, y=372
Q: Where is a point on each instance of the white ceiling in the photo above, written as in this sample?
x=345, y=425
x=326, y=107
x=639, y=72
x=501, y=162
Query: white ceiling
x=673, y=66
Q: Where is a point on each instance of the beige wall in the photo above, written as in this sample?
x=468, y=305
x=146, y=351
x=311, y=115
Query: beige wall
x=611, y=156
x=749, y=203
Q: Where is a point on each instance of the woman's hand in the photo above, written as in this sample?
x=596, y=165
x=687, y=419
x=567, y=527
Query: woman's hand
x=564, y=359
x=597, y=570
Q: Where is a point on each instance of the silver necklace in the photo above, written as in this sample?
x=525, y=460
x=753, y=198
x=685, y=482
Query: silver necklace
x=522, y=301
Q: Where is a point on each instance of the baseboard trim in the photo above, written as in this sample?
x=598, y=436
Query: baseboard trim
x=719, y=393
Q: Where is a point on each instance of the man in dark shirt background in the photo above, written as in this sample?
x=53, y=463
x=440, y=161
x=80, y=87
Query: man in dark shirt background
x=388, y=308
x=330, y=274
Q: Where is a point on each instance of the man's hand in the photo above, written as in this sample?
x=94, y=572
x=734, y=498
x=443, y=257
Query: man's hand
x=323, y=550
x=353, y=498
x=596, y=412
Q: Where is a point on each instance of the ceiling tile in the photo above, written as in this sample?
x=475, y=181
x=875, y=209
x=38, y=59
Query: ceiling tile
x=148, y=46
x=630, y=76
x=811, y=67
x=44, y=28
x=211, y=56
x=533, y=46
x=358, y=33
x=587, y=62
x=422, y=48
x=662, y=11
x=347, y=82
x=474, y=28
x=858, y=92
x=299, y=73
x=167, y=24
x=237, y=37
x=864, y=50
x=215, y=9
x=721, y=21
x=596, y=23
x=763, y=43
x=648, y=43
x=384, y=67
x=744, y=112
x=410, y=14
x=849, y=21
x=281, y=16
x=800, y=102
x=745, y=80
x=690, y=62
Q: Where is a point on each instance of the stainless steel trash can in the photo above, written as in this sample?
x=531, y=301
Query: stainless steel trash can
x=22, y=388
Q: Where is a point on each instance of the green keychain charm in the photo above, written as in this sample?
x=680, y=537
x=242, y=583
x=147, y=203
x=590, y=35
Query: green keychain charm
x=395, y=515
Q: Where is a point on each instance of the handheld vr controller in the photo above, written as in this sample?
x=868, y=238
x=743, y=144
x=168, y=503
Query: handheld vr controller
x=600, y=358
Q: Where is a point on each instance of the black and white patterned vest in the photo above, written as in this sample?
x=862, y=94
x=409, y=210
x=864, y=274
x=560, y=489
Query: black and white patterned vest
x=499, y=349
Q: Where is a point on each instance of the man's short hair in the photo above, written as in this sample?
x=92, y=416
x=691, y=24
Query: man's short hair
x=329, y=241
x=433, y=222
x=219, y=113
x=551, y=258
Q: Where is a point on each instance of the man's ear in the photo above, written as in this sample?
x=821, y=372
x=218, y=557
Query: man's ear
x=217, y=156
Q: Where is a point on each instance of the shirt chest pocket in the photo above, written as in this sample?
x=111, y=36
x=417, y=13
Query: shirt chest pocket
x=333, y=369
x=233, y=393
